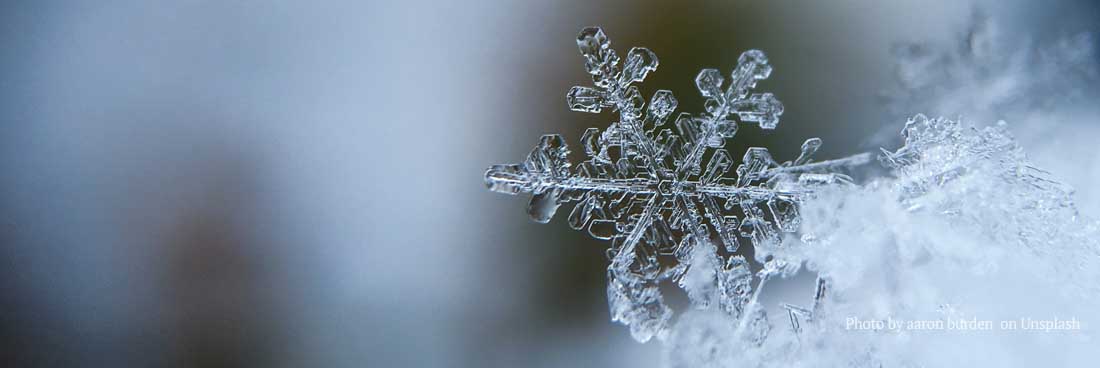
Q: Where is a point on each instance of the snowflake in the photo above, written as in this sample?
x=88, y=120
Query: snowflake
x=661, y=194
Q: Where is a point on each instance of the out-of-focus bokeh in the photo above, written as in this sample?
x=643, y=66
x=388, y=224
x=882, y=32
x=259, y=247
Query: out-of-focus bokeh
x=277, y=183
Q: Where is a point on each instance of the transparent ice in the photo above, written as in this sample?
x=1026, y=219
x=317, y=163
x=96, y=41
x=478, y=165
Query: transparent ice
x=660, y=189
x=962, y=226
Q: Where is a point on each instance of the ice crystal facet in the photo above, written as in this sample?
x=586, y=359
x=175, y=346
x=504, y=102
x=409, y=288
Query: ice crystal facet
x=661, y=192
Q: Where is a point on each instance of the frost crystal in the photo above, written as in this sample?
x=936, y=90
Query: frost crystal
x=966, y=227
x=661, y=192
x=963, y=227
x=948, y=168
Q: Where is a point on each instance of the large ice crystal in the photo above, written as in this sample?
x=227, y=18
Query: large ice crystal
x=661, y=192
x=963, y=227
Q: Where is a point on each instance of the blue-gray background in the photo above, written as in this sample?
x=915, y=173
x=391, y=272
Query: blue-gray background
x=275, y=183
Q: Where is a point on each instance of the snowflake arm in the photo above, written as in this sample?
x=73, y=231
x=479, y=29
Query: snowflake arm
x=661, y=192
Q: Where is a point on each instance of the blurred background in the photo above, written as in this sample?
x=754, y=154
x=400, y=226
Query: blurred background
x=286, y=184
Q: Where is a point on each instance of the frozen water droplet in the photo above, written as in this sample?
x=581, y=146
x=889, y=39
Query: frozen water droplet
x=543, y=205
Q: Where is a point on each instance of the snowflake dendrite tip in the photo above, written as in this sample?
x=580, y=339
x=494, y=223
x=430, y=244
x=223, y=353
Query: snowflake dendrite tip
x=660, y=189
